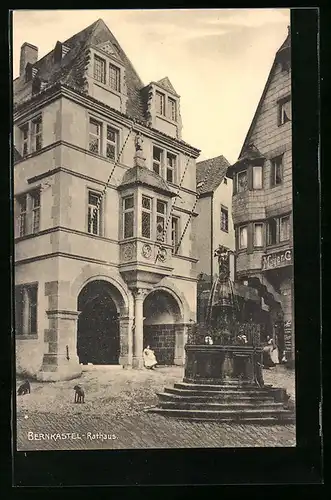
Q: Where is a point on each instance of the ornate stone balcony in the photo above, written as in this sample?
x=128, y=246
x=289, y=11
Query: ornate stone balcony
x=145, y=262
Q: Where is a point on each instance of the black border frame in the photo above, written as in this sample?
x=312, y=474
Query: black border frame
x=299, y=465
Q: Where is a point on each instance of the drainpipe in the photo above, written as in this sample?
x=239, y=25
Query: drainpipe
x=212, y=239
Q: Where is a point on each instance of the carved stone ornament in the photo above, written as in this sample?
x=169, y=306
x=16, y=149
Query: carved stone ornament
x=162, y=254
x=146, y=251
x=128, y=251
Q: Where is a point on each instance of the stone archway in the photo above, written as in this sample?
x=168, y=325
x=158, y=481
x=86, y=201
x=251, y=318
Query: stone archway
x=98, y=329
x=163, y=327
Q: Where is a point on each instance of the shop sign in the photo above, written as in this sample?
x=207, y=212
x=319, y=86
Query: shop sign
x=274, y=260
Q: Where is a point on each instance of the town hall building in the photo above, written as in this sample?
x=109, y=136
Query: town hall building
x=104, y=187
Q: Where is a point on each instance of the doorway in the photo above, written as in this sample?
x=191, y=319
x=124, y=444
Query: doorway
x=98, y=326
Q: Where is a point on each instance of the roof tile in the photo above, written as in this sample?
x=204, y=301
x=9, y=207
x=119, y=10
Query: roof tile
x=215, y=169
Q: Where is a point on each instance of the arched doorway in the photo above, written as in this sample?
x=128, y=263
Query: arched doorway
x=98, y=339
x=162, y=318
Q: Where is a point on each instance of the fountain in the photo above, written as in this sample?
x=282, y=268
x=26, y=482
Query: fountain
x=223, y=378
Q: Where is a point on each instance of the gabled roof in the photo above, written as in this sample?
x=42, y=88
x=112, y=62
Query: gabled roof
x=216, y=169
x=146, y=177
x=166, y=84
x=285, y=45
x=71, y=69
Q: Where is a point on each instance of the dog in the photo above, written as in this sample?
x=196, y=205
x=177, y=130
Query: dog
x=24, y=388
x=79, y=394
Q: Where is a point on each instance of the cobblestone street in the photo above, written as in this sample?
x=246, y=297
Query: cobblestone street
x=115, y=406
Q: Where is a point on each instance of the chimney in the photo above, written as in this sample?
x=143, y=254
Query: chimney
x=29, y=54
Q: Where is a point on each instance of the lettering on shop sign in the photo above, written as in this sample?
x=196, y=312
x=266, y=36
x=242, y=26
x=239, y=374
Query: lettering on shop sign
x=274, y=260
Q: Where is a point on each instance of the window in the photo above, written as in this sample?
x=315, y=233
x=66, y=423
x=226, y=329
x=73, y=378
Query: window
x=278, y=230
x=95, y=136
x=276, y=171
x=36, y=139
x=31, y=136
x=171, y=166
x=258, y=235
x=99, y=71
x=224, y=219
x=174, y=233
x=114, y=77
x=165, y=164
x=243, y=237
x=272, y=230
x=26, y=309
x=160, y=103
x=242, y=182
x=172, y=112
x=157, y=160
x=284, y=111
x=161, y=211
x=29, y=213
x=146, y=217
x=93, y=213
x=257, y=177
x=25, y=139
x=128, y=211
x=35, y=198
x=111, y=143
x=284, y=228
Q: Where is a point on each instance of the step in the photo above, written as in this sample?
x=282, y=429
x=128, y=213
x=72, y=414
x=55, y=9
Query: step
x=221, y=387
x=164, y=396
x=226, y=415
x=284, y=420
x=220, y=406
x=230, y=392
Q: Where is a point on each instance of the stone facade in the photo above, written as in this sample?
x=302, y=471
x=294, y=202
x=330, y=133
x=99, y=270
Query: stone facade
x=262, y=209
x=59, y=248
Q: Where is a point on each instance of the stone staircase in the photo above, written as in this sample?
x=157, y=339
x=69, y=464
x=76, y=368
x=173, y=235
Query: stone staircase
x=230, y=402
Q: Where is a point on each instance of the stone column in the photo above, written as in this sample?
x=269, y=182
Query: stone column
x=125, y=341
x=138, y=329
x=181, y=339
x=60, y=362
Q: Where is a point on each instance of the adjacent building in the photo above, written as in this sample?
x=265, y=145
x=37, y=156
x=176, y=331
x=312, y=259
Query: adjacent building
x=262, y=204
x=104, y=187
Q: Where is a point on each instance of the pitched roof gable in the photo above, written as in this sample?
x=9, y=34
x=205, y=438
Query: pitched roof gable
x=217, y=171
x=71, y=69
x=166, y=84
x=285, y=45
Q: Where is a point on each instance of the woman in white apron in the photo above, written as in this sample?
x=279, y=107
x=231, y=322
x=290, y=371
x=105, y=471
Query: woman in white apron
x=149, y=358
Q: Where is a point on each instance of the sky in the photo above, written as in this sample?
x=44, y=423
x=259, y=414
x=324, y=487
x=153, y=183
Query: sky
x=218, y=60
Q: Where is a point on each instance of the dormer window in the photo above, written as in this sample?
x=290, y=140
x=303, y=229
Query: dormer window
x=284, y=111
x=99, y=71
x=114, y=77
x=60, y=51
x=166, y=106
x=160, y=103
x=172, y=112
